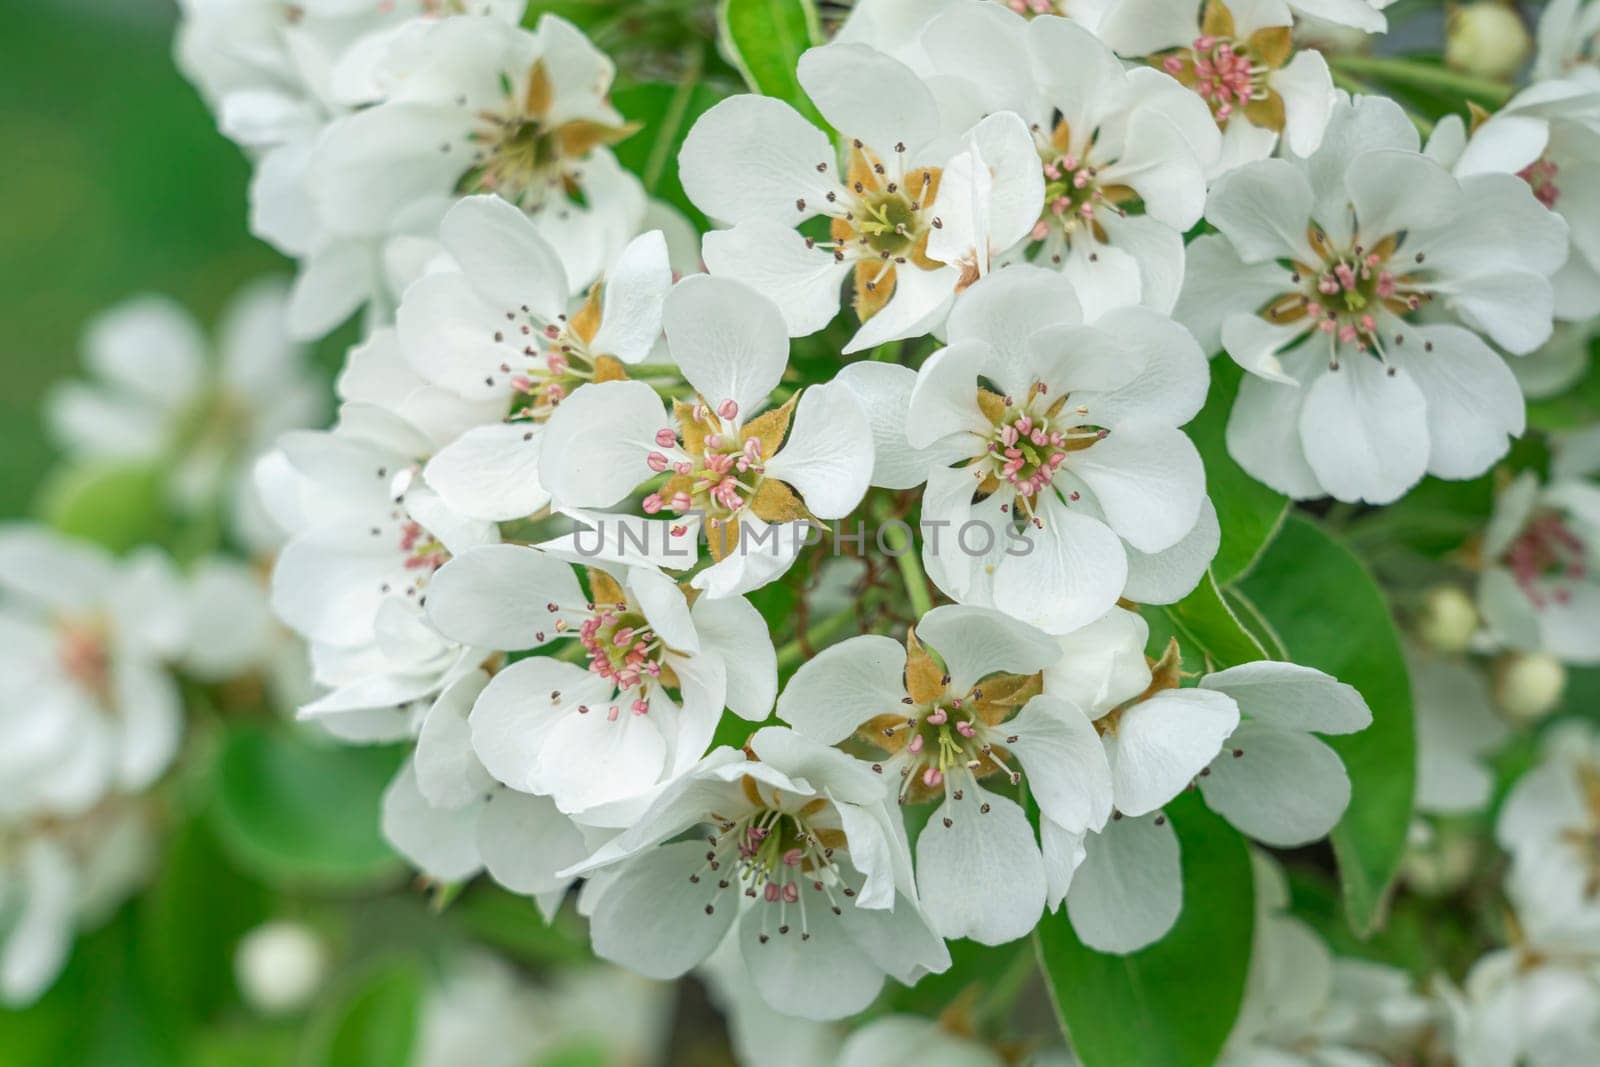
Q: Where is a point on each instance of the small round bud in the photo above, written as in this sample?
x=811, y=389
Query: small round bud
x=1439, y=858
x=278, y=966
x=1447, y=619
x=1528, y=685
x=1486, y=38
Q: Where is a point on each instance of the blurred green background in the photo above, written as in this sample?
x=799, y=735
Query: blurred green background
x=115, y=182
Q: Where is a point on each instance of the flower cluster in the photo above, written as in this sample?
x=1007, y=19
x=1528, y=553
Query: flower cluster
x=1068, y=301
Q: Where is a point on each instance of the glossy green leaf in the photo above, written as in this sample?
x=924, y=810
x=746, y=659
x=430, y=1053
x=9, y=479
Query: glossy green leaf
x=299, y=810
x=763, y=39
x=666, y=114
x=1249, y=512
x=115, y=505
x=1204, y=621
x=1172, y=1004
x=374, y=1024
x=190, y=922
x=1330, y=613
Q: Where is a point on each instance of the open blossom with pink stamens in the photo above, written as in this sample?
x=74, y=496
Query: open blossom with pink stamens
x=654, y=679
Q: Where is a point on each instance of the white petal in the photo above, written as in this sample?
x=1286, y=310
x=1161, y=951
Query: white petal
x=491, y=472
x=524, y=841
x=1263, y=209
x=1006, y=308
x=515, y=714
x=1168, y=576
x=884, y=392
x=982, y=876
x=1072, y=572
x=844, y=686
x=827, y=456
x=1263, y=433
x=1148, y=479
x=1064, y=853
x=498, y=596
x=1102, y=664
x=730, y=341
x=588, y=760
x=977, y=642
x=1161, y=744
x=919, y=304
x=802, y=280
x=504, y=257
x=944, y=400
x=823, y=976
x=448, y=774
x=653, y=920
x=1474, y=403
x=1064, y=762
x=1393, y=190
x=439, y=841
x=733, y=629
x=635, y=290
x=448, y=334
x=1129, y=890
x=866, y=94
x=596, y=445
x=1365, y=431
x=1306, y=86
x=1286, y=789
x=753, y=157
x=1292, y=697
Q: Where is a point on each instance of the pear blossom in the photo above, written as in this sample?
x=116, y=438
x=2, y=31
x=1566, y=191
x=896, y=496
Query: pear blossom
x=600, y=738
x=160, y=392
x=1124, y=153
x=796, y=844
x=1070, y=486
x=447, y=815
x=1244, y=735
x=60, y=875
x=1317, y=283
x=1522, y=1007
x=478, y=104
x=727, y=461
x=918, y=209
x=87, y=708
x=1539, y=589
x=1305, y=1007
x=366, y=536
x=1458, y=729
x=1543, y=135
x=904, y=1040
x=277, y=75
x=496, y=325
x=1240, y=59
x=948, y=724
x=1566, y=38
x=1547, y=824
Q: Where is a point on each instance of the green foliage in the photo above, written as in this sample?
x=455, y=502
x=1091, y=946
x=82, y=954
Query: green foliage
x=763, y=39
x=296, y=811
x=116, y=505
x=1332, y=616
x=190, y=921
x=373, y=1022
x=1171, y=1004
x=667, y=113
x=1204, y=621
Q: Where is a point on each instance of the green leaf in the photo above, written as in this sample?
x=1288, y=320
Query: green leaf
x=1332, y=616
x=190, y=921
x=1249, y=513
x=1204, y=622
x=1172, y=1004
x=666, y=112
x=297, y=811
x=763, y=39
x=115, y=505
x=374, y=1024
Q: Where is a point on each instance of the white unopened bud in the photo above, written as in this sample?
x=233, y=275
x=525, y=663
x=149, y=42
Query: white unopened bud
x=1486, y=38
x=1447, y=619
x=278, y=966
x=1439, y=858
x=1528, y=685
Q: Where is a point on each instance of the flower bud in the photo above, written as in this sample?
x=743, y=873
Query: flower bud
x=1528, y=685
x=1447, y=619
x=1486, y=38
x=1439, y=858
x=278, y=966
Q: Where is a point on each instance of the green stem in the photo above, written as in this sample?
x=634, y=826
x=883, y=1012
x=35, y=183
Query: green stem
x=910, y=563
x=1421, y=76
x=795, y=651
